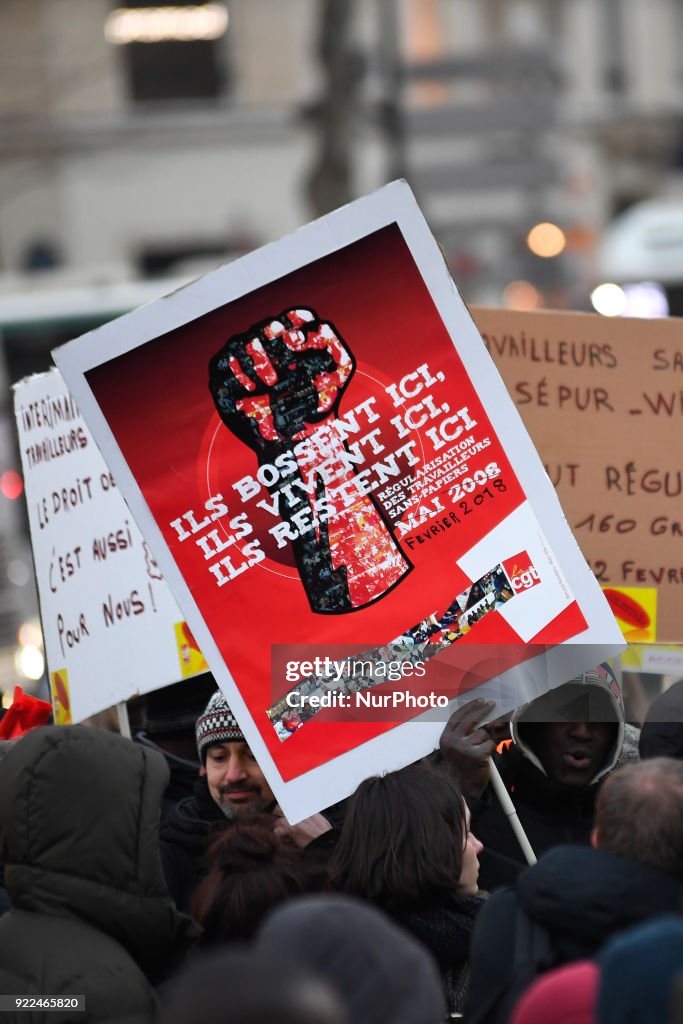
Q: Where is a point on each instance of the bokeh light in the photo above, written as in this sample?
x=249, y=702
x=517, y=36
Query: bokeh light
x=29, y=662
x=609, y=299
x=18, y=572
x=30, y=633
x=11, y=484
x=646, y=299
x=521, y=296
x=546, y=240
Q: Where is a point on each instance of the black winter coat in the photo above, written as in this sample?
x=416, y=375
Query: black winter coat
x=91, y=913
x=550, y=814
x=183, y=776
x=662, y=732
x=581, y=896
x=186, y=834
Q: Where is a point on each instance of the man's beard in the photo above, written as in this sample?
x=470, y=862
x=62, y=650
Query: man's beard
x=232, y=811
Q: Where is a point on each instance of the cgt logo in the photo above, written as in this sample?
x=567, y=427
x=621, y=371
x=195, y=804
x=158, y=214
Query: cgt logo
x=521, y=572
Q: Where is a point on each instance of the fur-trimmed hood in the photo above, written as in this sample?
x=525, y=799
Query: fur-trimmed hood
x=593, y=696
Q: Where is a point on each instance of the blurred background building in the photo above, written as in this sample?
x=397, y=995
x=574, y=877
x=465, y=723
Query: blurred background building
x=145, y=144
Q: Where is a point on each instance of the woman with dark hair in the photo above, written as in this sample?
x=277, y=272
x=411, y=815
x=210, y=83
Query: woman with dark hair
x=406, y=846
x=251, y=871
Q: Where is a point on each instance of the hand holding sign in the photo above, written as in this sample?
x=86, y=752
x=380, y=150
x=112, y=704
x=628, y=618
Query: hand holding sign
x=466, y=745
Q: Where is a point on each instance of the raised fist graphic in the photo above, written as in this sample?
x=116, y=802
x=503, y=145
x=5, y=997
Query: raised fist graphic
x=281, y=376
x=275, y=386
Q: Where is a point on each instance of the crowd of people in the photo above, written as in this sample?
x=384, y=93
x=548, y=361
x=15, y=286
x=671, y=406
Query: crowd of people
x=157, y=878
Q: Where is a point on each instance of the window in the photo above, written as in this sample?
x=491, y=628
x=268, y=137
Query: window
x=177, y=54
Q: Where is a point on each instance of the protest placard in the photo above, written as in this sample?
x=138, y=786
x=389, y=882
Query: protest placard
x=111, y=626
x=326, y=462
x=603, y=400
x=654, y=659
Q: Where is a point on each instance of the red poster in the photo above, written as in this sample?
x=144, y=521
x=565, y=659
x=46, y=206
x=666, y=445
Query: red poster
x=328, y=465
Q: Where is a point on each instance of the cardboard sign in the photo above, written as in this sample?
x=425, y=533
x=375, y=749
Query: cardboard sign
x=111, y=626
x=653, y=659
x=603, y=401
x=334, y=479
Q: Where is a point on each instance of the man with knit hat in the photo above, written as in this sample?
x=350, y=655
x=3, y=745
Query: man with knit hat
x=235, y=781
x=230, y=784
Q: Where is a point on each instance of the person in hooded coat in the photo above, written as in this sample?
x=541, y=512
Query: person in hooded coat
x=563, y=744
x=91, y=914
x=662, y=732
x=5, y=747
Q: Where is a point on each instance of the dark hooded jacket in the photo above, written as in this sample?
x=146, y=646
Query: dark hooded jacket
x=183, y=774
x=91, y=914
x=580, y=897
x=5, y=747
x=662, y=732
x=550, y=813
x=186, y=835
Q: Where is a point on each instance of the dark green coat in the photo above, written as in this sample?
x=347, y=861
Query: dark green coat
x=91, y=914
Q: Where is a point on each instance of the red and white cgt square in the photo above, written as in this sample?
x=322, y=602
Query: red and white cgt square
x=521, y=572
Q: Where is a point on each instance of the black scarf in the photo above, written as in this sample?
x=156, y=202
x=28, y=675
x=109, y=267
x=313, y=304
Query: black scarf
x=445, y=931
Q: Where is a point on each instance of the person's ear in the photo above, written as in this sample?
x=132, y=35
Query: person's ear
x=202, y=772
x=594, y=838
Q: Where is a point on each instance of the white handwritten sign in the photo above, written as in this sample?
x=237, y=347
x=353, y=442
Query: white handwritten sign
x=112, y=628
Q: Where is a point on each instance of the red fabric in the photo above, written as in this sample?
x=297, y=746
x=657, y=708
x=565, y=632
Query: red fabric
x=25, y=713
x=568, y=995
